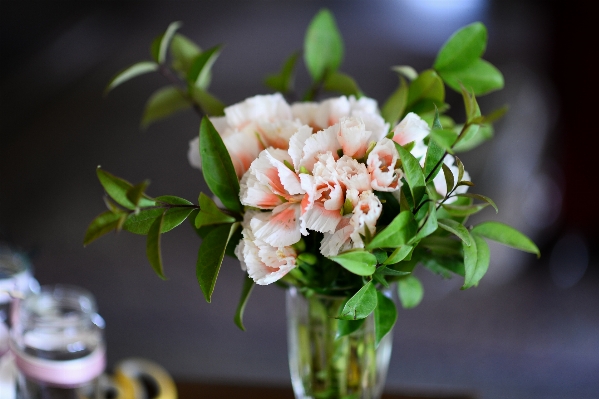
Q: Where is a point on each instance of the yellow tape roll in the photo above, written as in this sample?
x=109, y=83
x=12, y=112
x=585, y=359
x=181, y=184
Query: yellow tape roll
x=144, y=379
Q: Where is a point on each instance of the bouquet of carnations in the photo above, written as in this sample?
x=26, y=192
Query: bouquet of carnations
x=329, y=195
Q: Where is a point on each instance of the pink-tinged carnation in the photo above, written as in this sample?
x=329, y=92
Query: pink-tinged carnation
x=296, y=145
x=324, y=196
x=260, y=108
x=277, y=134
x=314, y=145
x=366, y=213
x=264, y=263
x=367, y=109
x=353, y=137
x=440, y=184
x=329, y=112
x=339, y=240
x=249, y=127
x=352, y=174
x=412, y=129
x=269, y=182
x=381, y=165
x=279, y=228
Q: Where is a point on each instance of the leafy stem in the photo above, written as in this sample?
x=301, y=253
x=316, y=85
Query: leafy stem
x=166, y=72
x=462, y=133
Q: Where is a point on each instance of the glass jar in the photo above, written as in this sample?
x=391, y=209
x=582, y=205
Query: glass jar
x=57, y=341
x=326, y=367
x=15, y=280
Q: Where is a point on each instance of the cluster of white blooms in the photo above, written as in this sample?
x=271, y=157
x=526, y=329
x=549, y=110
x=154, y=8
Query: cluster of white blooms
x=311, y=166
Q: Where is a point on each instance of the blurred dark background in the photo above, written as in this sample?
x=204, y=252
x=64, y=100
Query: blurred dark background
x=531, y=328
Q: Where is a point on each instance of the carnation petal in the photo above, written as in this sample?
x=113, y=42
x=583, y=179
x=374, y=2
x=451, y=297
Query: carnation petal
x=278, y=228
x=411, y=128
x=319, y=219
x=319, y=143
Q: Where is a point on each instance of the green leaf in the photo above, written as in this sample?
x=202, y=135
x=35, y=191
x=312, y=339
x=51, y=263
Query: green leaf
x=183, y=52
x=413, y=174
x=385, y=316
x=456, y=228
x=506, y=235
x=463, y=210
x=410, y=291
x=449, y=182
x=399, y=254
x=387, y=271
x=395, y=105
x=434, y=153
x=153, y=246
x=481, y=77
x=470, y=262
x=483, y=257
x=166, y=40
x=342, y=83
x=380, y=255
x=117, y=189
x=131, y=72
x=445, y=138
x=136, y=193
x=101, y=225
x=470, y=104
x=460, y=166
x=446, y=267
x=248, y=285
x=398, y=233
x=141, y=222
x=428, y=86
x=323, y=46
x=479, y=135
x=463, y=48
x=361, y=304
x=429, y=226
x=210, y=213
x=406, y=70
x=217, y=167
x=210, y=257
x=443, y=246
x=200, y=72
x=164, y=103
x=492, y=117
x=378, y=278
x=283, y=81
x=362, y=263
x=346, y=327
x=208, y=103
x=480, y=197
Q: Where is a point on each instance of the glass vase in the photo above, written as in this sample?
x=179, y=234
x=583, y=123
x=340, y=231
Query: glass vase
x=326, y=367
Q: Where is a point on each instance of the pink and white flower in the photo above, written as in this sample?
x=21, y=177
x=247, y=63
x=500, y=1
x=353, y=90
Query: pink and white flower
x=264, y=263
x=350, y=229
x=412, y=129
x=249, y=127
x=365, y=215
x=381, y=165
x=324, y=196
x=329, y=112
x=270, y=184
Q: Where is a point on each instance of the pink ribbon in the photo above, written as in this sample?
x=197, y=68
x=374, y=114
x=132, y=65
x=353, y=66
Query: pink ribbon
x=62, y=373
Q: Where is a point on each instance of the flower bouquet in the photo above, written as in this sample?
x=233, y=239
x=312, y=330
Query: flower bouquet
x=329, y=197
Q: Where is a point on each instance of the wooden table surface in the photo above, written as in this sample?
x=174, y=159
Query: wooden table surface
x=194, y=390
